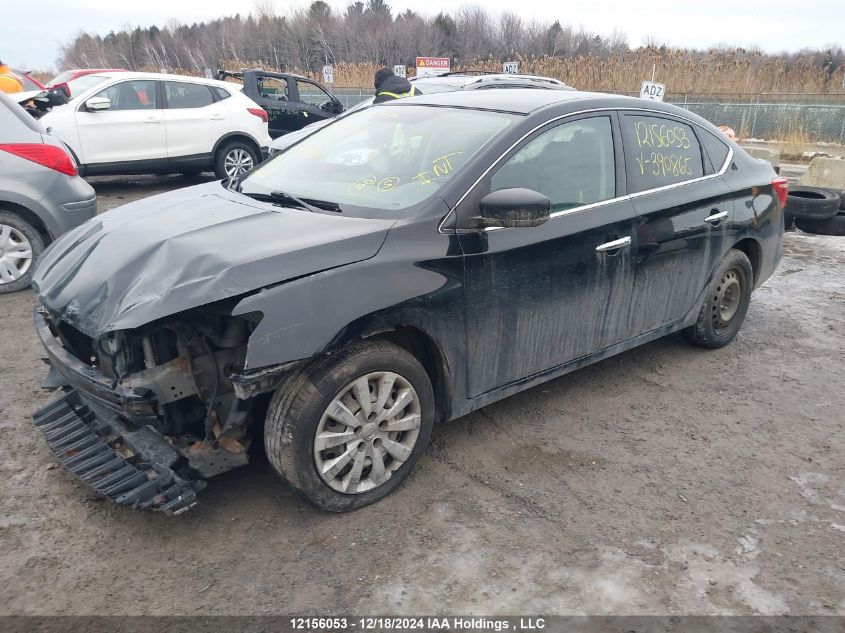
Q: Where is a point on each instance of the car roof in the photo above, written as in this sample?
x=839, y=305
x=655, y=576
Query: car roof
x=238, y=74
x=129, y=75
x=124, y=74
x=525, y=101
x=516, y=100
x=465, y=79
x=95, y=71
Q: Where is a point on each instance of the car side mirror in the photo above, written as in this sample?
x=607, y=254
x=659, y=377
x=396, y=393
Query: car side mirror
x=337, y=107
x=514, y=208
x=98, y=103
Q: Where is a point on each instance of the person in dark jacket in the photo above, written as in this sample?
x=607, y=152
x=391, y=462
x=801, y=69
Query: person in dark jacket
x=389, y=86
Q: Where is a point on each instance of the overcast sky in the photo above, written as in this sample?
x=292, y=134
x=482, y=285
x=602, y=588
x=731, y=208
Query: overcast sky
x=31, y=32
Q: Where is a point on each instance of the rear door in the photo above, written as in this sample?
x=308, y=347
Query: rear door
x=131, y=130
x=540, y=297
x=276, y=96
x=684, y=211
x=194, y=117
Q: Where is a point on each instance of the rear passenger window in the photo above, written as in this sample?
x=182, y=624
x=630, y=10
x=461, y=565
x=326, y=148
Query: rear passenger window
x=273, y=88
x=571, y=164
x=185, y=95
x=222, y=93
x=659, y=152
x=715, y=149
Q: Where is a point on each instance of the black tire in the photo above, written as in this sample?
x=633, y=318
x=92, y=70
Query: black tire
x=228, y=148
x=831, y=226
x=814, y=203
x=299, y=403
x=36, y=243
x=712, y=330
x=841, y=194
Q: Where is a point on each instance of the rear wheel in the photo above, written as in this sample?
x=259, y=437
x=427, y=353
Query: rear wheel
x=20, y=246
x=235, y=159
x=725, y=303
x=347, y=430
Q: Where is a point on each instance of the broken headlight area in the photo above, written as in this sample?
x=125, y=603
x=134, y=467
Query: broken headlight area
x=161, y=398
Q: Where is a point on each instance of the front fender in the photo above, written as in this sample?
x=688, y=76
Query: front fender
x=307, y=316
x=407, y=283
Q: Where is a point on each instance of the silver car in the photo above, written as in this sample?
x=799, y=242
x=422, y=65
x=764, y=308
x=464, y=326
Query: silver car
x=450, y=82
x=41, y=195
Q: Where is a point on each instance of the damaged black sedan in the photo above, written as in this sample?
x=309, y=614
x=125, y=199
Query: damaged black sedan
x=405, y=265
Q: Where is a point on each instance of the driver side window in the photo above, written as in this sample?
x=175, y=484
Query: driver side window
x=131, y=95
x=572, y=164
x=312, y=94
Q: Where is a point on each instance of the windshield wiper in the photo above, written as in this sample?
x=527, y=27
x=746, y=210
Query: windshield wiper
x=326, y=205
x=282, y=197
x=287, y=198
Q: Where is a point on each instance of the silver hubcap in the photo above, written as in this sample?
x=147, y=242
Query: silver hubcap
x=727, y=298
x=15, y=254
x=237, y=162
x=367, y=432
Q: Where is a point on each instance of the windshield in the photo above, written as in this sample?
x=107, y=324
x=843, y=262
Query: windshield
x=61, y=77
x=383, y=158
x=81, y=84
x=359, y=106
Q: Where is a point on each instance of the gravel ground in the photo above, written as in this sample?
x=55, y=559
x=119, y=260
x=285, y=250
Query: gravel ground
x=665, y=480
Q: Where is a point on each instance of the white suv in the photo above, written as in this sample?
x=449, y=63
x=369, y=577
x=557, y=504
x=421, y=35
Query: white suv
x=148, y=123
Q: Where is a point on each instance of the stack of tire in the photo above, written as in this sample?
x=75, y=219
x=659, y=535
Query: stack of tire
x=816, y=210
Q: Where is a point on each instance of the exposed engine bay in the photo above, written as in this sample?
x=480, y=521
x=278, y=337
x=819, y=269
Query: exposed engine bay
x=168, y=382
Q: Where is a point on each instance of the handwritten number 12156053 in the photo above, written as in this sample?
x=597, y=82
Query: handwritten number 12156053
x=663, y=139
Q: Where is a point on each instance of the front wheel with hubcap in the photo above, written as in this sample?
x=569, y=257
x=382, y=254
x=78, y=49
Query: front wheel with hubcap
x=725, y=303
x=347, y=430
x=234, y=159
x=20, y=245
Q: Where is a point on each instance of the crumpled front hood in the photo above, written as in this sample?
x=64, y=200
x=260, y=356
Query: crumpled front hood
x=183, y=249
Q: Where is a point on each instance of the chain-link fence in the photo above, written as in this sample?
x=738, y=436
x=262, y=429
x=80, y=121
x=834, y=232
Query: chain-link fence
x=776, y=121
x=773, y=116
x=352, y=96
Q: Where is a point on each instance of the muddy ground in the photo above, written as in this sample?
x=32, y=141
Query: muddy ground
x=665, y=480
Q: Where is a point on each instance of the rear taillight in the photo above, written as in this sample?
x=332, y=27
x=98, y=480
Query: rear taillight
x=47, y=155
x=781, y=187
x=261, y=114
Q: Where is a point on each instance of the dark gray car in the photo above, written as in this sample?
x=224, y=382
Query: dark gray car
x=41, y=195
x=417, y=261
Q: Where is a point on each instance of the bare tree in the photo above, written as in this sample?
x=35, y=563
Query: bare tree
x=370, y=32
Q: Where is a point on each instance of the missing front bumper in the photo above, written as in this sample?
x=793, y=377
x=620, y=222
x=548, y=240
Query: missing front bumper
x=131, y=467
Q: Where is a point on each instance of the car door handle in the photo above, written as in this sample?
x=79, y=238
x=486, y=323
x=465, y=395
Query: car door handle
x=152, y=120
x=716, y=217
x=614, y=245
x=217, y=117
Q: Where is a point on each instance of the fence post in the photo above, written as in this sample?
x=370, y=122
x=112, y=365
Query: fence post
x=754, y=120
x=842, y=129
